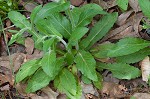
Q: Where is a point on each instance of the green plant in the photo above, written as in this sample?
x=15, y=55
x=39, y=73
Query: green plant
x=145, y=6
x=123, y=4
x=7, y=5
x=55, y=24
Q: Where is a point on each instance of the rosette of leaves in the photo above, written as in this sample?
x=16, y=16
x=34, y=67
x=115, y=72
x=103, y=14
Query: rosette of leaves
x=55, y=24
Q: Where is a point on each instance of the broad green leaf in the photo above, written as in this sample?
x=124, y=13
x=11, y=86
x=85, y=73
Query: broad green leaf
x=48, y=63
x=46, y=27
x=83, y=16
x=27, y=69
x=74, y=16
x=69, y=58
x=17, y=35
x=98, y=84
x=87, y=13
x=99, y=30
x=39, y=80
x=48, y=43
x=77, y=34
x=34, y=13
x=86, y=80
x=134, y=57
x=145, y=6
x=86, y=64
x=50, y=8
x=101, y=50
x=123, y=4
x=121, y=70
x=66, y=82
x=19, y=20
x=127, y=46
x=61, y=24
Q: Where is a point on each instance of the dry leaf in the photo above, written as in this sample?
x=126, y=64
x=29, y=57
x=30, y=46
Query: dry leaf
x=123, y=17
x=6, y=87
x=130, y=28
x=134, y=4
x=105, y=4
x=50, y=93
x=112, y=90
x=88, y=88
x=30, y=6
x=145, y=67
x=76, y=2
x=4, y=78
x=141, y=96
x=29, y=44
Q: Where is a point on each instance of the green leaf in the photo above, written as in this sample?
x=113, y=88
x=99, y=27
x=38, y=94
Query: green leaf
x=69, y=58
x=134, y=57
x=46, y=27
x=86, y=80
x=48, y=43
x=19, y=20
x=128, y=46
x=121, y=70
x=102, y=50
x=50, y=8
x=86, y=64
x=77, y=34
x=48, y=63
x=71, y=89
x=17, y=35
x=73, y=16
x=98, y=84
x=87, y=13
x=145, y=6
x=34, y=13
x=39, y=80
x=123, y=4
x=27, y=69
x=99, y=30
x=61, y=24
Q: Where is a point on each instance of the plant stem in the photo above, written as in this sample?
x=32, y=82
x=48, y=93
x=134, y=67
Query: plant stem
x=11, y=63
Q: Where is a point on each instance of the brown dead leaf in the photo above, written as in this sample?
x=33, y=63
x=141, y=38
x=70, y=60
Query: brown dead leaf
x=134, y=4
x=128, y=32
x=36, y=55
x=76, y=2
x=112, y=90
x=123, y=17
x=130, y=28
x=4, y=78
x=105, y=4
x=50, y=93
x=17, y=59
x=141, y=96
x=29, y=44
x=89, y=89
x=6, y=87
x=30, y=6
x=145, y=67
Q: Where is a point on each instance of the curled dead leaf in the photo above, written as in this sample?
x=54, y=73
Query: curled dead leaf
x=145, y=67
x=29, y=44
x=134, y=4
